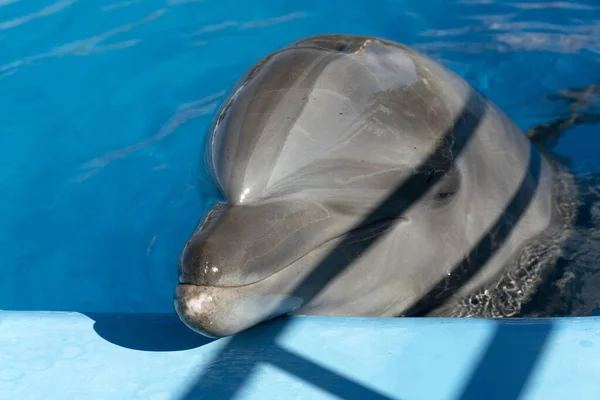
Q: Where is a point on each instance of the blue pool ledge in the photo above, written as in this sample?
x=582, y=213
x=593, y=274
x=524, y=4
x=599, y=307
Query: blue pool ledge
x=53, y=355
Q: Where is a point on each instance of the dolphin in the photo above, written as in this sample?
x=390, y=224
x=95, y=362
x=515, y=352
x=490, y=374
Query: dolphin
x=359, y=177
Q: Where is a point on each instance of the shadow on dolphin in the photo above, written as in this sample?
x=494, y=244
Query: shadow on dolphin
x=360, y=177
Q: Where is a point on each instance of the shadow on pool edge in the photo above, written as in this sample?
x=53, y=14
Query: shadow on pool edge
x=146, y=332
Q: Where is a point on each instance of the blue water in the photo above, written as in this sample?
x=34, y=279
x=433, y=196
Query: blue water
x=103, y=108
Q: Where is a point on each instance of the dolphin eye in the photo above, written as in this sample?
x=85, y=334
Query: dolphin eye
x=448, y=187
x=444, y=195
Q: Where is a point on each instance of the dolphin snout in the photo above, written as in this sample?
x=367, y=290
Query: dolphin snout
x=197, y=267
x=196, y=308
x=242, y=245
x=223, y=311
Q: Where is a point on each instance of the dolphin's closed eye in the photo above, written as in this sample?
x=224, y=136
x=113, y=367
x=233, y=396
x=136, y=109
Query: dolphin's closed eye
x=449, y=186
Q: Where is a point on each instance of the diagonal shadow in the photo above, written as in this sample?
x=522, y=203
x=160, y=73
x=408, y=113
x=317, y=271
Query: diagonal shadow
x=408, y=193
x=258, y=346
x=321, y=377
x=490, y=243
x=506, y=366
x=223, y=381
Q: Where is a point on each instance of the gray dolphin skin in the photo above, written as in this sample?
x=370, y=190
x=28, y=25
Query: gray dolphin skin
x=362, y=178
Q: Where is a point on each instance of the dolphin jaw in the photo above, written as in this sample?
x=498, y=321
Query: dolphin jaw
x=217, y=312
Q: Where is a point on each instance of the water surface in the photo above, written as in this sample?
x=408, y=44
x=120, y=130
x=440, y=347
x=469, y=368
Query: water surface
x=103, y=108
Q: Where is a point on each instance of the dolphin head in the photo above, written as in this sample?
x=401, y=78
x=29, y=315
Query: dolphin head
x=343, y=189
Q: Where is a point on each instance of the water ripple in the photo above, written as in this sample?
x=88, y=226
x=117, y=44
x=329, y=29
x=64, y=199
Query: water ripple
x=558, y=43
x=502, y=35
x=7, y=2
x=44, y=12
x=185, y=113
x=250, y=24
x=553, y=4
x=175, y=2
x=82, y=47
x=123, y=4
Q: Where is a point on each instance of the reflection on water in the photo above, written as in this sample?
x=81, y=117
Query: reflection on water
x=105, y=107
x=573, y=287
x=185, y=112
x=575, y=106
x=43, y=12
x=83, y=47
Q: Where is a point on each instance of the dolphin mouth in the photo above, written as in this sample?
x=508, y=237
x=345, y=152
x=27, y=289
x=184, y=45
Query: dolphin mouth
x=224, y=311
x=377, y=227
x=219, y=311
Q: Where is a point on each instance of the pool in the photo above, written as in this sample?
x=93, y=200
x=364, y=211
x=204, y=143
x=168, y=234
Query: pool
x=104, y=110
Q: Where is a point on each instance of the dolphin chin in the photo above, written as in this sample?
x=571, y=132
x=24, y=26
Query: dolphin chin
x=223, y=311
